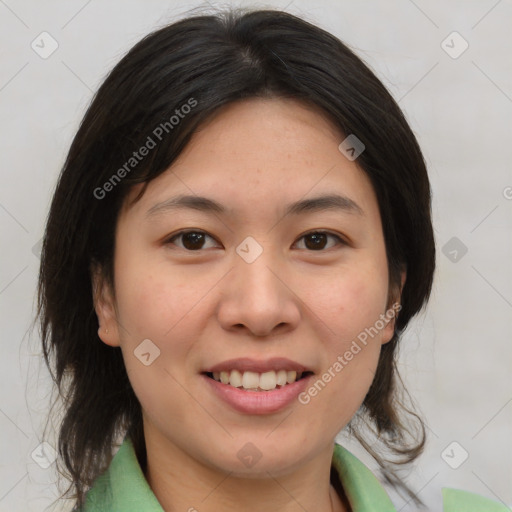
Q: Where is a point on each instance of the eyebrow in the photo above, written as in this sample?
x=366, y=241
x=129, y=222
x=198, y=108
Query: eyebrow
x=204, y=204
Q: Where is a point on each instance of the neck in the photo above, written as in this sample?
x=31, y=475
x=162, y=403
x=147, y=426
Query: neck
x=182, y=483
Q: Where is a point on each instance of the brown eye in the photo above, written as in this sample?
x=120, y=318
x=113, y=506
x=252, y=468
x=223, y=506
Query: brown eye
x=191, y=240
x=318, y=240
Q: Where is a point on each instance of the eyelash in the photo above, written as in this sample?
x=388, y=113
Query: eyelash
x=170, y=241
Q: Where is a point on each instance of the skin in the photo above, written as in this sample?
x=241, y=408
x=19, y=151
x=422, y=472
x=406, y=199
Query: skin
x=206, y=306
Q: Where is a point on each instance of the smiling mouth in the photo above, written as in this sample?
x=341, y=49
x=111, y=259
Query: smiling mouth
x=253, y=381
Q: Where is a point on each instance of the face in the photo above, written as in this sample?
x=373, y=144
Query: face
x=222, y=303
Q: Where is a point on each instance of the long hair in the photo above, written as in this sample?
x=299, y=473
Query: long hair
x=213, y=60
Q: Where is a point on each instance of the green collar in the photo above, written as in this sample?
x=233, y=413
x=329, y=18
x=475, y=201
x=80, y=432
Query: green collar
x=123, y=488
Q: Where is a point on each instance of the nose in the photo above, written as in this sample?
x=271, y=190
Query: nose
x=258, y=298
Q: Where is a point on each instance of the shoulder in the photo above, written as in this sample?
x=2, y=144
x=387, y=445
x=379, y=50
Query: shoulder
x=365, y=492
x=122, y=487
x=455, y=500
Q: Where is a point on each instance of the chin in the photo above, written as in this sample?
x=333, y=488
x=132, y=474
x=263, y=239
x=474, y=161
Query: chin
x=257, y=459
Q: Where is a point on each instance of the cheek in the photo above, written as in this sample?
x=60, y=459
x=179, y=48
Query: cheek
x=348, y=307
x=152, y=301
x=155, y=313
x=160, y=309
x=348, y=302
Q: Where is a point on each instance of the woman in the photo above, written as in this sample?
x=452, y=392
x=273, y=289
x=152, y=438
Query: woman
x=239, y=235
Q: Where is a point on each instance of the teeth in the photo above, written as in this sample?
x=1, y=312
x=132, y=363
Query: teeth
x=235, y=379
x=253, y=381
x=281, y=377
x=291, y=376
x=250, y=380
x=267, y=381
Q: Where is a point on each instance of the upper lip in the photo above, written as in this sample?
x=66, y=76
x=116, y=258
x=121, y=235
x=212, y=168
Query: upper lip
x=246, y=364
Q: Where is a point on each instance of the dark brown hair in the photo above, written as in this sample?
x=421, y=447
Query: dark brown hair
x=214, y=60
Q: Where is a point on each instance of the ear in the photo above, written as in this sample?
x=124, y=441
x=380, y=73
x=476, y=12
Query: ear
x=394, y=306
x=104, y=305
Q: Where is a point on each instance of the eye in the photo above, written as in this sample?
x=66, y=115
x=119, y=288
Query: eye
x=195, y=240
x=318, y=240
x=192, y=240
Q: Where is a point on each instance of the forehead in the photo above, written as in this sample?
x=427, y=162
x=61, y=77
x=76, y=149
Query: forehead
x=259, y=152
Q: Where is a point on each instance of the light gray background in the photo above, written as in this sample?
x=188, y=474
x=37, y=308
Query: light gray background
x=456, y=358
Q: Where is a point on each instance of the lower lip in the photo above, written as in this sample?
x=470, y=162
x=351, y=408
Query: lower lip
x=258, y=402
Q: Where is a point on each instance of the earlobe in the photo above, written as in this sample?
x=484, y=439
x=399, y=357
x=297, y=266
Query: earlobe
x=104, y=306
x=394, y=307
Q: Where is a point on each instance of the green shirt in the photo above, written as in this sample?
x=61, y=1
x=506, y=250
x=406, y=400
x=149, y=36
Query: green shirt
x=123, y=488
